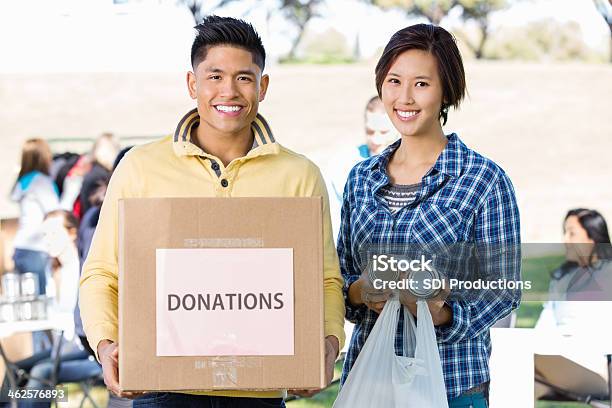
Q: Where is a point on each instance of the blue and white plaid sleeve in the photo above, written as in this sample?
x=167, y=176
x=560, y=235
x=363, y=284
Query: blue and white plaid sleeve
x=498, y=228
x=354, y=314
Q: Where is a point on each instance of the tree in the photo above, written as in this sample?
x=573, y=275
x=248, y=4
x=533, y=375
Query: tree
x=433, y=10
x=543, y=40
x=198, y=9
x=299, y=12
x=479, y=11
x=329, y=46
x=605, y=9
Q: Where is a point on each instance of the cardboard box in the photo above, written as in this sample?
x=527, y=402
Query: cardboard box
x=178, y=259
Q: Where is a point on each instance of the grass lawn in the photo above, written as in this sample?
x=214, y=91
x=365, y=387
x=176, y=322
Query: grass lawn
x=536, y=270
x=323, y=399
x=555, y=404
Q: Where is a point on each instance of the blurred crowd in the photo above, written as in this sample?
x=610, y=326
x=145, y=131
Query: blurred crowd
x=59, y=197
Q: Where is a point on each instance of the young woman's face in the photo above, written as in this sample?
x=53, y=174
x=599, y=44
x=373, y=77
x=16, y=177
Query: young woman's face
x=578, y=245
x=412, y=93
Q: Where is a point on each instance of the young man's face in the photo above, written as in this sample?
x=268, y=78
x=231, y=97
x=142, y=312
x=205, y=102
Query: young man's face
x=412, y=93
x=228, y=86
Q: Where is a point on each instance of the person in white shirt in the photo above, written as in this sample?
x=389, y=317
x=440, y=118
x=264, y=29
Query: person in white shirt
x=379, y=133
x=37, y=195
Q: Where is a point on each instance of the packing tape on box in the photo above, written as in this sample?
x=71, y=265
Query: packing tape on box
x=223, y=243
x=224, y=369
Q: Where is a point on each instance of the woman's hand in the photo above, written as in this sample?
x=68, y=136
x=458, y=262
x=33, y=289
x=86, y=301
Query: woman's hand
x=363, y=292
x=441, y=313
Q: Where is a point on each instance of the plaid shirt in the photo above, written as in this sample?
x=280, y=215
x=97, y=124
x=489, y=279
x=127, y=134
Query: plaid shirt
x=464, y=197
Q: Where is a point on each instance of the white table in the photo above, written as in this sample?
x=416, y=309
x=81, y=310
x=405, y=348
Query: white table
x=55, y=322
x=512, y=361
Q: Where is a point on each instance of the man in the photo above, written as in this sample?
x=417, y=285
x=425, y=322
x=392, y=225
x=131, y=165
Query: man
x=223, y=148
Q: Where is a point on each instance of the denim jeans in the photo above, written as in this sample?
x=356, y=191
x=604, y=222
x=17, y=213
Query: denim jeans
x=477, y=400
x=36, y=262
x=172, y=400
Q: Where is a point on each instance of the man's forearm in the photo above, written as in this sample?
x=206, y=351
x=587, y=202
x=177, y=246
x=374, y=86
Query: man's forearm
x=354, y=293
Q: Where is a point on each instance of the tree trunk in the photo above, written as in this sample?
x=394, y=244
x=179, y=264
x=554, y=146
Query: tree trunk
x=436, y=15
x=357, y=48
x=610, y=27
x=194, y=8
x=296, y=41
x=602, y=9
x=484, y=34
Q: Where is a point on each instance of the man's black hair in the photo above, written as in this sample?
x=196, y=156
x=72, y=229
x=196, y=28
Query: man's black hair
x=215, y=30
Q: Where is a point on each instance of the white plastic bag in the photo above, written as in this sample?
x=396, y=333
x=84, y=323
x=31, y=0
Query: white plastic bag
x=380, y=378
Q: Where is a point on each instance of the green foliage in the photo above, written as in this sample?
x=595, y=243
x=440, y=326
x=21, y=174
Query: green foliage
x=539, y=40
x=435, y=10
x=324, y=399
x=432, y=10
x=480, y=9
x=528, y=313
x=558, y=404
x=327, y=46
x=299, y=12
x=537, y=271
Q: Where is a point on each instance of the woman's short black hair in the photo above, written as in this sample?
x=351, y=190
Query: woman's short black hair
x=442, y=45
x=215, y=30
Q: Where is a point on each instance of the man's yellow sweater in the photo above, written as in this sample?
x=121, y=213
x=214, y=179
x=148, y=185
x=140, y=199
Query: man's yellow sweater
x=175, y=167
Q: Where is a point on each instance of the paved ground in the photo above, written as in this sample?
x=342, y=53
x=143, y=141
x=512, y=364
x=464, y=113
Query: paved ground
x=547, y=125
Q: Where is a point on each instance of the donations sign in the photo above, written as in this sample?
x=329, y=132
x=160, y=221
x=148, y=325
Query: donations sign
x=224, y=301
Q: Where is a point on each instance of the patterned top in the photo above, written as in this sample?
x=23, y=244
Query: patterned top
x=399, y=195
x=464, y=197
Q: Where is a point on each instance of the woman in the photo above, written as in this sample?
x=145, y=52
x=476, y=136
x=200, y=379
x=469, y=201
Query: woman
x=586, y=275
x=37, y=195
x=104, y=153
x=426, y=188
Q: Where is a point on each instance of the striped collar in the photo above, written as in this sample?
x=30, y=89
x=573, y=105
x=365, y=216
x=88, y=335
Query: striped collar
x=263, y=139
x=450, y=161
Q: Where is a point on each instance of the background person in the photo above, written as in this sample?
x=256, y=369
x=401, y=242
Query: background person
x=588, y=261
x=103, y=153
x=36, y=195
x=379, y=133
x=76, y=363
x=85, y=234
